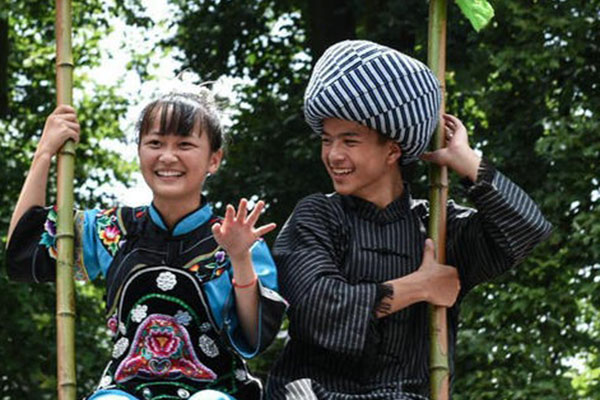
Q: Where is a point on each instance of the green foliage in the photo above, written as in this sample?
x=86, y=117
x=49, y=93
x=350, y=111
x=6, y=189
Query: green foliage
x=28, y=352
x=525, y=86
x=478, y=12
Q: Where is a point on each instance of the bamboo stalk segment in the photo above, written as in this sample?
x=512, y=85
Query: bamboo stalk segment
x=439, y=371
x=65, y=290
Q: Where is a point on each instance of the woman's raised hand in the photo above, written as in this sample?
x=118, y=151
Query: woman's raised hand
x=236, y=233
x=60, y=126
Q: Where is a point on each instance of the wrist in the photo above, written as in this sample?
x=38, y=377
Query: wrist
x=470, y=165
x=41, y=156
x=241, y=258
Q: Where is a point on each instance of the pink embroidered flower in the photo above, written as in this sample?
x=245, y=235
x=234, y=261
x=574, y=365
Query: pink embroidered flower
x=162, y=343
x=112, y=324
x=110, y=235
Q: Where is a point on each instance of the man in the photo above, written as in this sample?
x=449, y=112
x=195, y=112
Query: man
x=356, y=265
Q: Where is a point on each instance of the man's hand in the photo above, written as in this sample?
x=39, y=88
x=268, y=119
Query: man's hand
x=457, y=155
x=440, y=282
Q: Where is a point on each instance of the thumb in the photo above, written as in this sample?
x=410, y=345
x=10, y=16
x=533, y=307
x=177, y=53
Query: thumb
x=216, y=230
x=436, y=157
x=429, y=251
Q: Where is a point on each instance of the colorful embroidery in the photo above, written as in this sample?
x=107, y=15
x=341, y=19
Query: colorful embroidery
x=49, y=235
x=112, y=324
x=108, y=229
x=79, y=270
x=162, y=348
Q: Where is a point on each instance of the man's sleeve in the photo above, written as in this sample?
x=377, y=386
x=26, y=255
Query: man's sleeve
x=504, y=229
x=325, y=310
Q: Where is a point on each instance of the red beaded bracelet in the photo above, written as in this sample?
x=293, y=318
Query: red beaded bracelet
x=247, y=285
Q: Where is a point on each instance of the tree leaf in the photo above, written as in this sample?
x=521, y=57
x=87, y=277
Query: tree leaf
x=479, y=12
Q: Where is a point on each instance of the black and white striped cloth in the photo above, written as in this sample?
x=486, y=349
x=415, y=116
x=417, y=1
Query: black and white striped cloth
x=376, y=86
x=335, y=250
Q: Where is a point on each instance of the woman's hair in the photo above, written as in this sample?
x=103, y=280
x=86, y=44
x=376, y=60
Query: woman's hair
x=180, y=113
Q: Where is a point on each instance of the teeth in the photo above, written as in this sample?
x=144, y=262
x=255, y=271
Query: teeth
x=340, y=171
x=168, y=173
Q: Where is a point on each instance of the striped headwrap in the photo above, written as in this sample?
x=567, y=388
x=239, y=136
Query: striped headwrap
x=376, y=86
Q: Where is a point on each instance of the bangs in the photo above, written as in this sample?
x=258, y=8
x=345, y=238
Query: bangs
x=176, y=118
x=182, y=114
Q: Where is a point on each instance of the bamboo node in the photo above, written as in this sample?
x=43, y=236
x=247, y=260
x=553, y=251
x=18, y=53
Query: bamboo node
x=64, y=235
x=68, y=152
x=66, y=314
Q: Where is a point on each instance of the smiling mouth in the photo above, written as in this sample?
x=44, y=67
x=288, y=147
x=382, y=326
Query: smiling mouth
x=168, y=174
x=341, y=171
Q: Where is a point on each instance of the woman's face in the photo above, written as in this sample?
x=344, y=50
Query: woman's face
x=175, y=167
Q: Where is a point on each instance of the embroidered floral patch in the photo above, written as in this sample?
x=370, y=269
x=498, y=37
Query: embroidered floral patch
x=49, y=235
x=162, y=348
x=108, y=229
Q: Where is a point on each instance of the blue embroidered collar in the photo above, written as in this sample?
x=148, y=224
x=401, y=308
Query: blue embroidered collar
x=187, y=223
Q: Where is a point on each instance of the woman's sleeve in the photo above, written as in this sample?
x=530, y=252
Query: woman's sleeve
x=271, y=306
x=325, y=309
x=31, y=253
x=499, y=234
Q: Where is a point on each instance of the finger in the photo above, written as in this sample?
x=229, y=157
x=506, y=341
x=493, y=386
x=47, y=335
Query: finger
x=436, y=157
x=229, y=213
x=255, y=214
x=263, y=230
x=429, y=251
x=64, y=109
x=216, y=230
x=451, y=118
x=73, y=126
x=242, y=210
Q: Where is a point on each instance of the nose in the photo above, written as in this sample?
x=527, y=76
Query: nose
x=335, y=152
x=168, y=155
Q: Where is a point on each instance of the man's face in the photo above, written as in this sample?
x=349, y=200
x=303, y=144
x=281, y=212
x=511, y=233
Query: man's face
x=358, y=161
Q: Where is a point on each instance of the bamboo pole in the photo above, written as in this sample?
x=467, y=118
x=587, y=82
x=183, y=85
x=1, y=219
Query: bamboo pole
x=439, y=371
x=65, y=290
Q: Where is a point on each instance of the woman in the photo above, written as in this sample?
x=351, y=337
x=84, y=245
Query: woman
x=189, y=295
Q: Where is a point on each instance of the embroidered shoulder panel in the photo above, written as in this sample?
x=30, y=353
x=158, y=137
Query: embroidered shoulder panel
x=48, y=238
x=110, y=229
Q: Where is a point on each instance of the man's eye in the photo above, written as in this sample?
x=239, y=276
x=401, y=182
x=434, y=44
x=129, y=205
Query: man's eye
x=186, y=145
x=325, y=140
x=352, y=142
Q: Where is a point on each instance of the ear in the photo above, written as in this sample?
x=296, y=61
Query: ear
x=394, y=153
x=215, y=161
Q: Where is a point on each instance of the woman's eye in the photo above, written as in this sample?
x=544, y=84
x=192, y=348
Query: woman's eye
x=153, y=143
x=352, y=142
x=186, y=145
x=325, y=140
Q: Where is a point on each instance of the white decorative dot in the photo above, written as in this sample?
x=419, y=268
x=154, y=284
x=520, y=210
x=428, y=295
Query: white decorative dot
x=139, y=313
x=183, y=317
x=208, y=346
x=120, y=347
x=105, y=381
x=240, y=375
x=166, y=281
